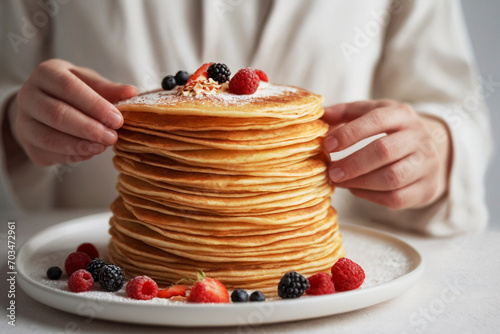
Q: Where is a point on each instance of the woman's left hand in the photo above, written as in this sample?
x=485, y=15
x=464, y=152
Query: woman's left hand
x=408, y=168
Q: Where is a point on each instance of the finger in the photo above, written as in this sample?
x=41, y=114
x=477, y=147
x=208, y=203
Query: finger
x=392, y=177
x=51, y=140
x=379, y=120
x=65, y=118
x=47, y=158
x=111, y=91
x=414, y=195
x=381, y=152
x=63, y=85
x=345, y=112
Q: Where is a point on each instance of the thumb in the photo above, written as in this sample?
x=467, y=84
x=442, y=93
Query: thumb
x=110, y=90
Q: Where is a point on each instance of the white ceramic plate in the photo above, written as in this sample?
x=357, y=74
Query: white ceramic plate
x=391, y=267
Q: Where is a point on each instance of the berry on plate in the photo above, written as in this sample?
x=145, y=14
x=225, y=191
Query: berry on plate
x=257, y=296
x=321, y=284
x=239, y=296
x=54, y=273
x=88, y=249
x=142, y=287
x=94, y=267
x=202, y=71
x=262, y=75
x=80, y=281
x=219, y=72
x=111, y=278
x=208, y=290
x=75, y=261
x=173, y=291
x=244, y=82
x=347, y=275
x=292, y=285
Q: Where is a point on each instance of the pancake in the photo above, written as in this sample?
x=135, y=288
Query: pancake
x=233, y=185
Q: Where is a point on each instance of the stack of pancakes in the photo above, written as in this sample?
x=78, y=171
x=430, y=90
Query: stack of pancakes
x=232, y=185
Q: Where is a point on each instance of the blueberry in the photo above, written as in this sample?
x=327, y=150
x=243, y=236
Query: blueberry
x=181, y=77
x=239, y=295
x=168, y=82
x=54, y=273
x=257, y=296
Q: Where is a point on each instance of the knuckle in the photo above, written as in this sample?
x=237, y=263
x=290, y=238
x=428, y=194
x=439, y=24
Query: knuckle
x=394, y=177
x=67, y=83
x=383, y=148
x=50, y=141
x=378, y=118
x=345, y=134
x=58, y=115
x=396, y=200
x=90, y=130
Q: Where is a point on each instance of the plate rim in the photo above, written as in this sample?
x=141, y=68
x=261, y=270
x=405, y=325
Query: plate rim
x=398, y=285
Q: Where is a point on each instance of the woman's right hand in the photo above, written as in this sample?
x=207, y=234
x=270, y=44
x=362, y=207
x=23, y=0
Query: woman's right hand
x=65, y=114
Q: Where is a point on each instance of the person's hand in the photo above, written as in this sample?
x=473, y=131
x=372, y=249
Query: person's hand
x=408, y=168
x=64, y=113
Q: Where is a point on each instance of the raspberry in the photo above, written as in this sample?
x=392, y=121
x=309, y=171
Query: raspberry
x=321, y=284
x=75, y=261
x=111, y=278
x=88, y=249
x=54, y=273
x=219, y=72
x=80, y=281
x=262, y=75
x=347, y=275
x=292, y=285
x=245, y=81
x=142, y=287
x=94, y=267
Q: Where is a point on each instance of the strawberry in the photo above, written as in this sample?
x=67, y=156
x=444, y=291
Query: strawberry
x=208, y=290
x=202, y=71
x=262, y=75
x=174, y=290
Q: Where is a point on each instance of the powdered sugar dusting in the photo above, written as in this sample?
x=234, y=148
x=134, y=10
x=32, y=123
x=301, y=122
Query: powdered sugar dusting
x=171, y=97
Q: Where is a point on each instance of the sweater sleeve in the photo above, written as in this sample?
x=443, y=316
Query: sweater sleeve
x=427, y=62
x=25, y=28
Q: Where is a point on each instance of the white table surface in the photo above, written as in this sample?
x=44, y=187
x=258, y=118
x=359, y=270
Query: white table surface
x=458, y=293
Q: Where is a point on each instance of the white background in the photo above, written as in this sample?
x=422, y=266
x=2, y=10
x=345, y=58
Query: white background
x=483, y=22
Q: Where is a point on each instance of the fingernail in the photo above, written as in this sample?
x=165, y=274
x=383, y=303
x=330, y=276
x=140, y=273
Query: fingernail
x=336, y=174
x=113, y=120
x=109, y=137
x=330, y=143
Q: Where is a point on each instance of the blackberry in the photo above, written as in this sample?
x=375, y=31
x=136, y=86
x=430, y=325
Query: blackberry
x=239, y=296
x=181, y=77
x=219, y=72
x=94, y=267
x=168, y=82
x=292, y=285
x=111, y=278
x=54, y=273
x=257, y=296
